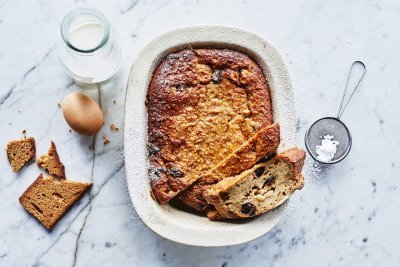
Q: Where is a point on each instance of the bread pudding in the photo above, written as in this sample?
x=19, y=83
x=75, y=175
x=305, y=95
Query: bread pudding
x=209, y=119
x=202, y=105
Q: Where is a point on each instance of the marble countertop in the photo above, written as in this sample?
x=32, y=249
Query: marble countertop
x=346, y=215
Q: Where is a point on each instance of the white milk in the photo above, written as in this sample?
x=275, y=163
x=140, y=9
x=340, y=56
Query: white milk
x=85, y=58
x=86, y=36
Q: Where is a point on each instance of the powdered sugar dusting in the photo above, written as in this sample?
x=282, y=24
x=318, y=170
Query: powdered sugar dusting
x=164, y=219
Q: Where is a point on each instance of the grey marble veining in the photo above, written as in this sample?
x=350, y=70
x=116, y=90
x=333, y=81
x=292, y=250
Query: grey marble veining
x=346, y=215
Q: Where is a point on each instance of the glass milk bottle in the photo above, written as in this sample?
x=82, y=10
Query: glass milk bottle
x=89, y=52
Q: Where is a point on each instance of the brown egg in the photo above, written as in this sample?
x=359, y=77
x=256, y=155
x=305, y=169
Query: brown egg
x=82, y=113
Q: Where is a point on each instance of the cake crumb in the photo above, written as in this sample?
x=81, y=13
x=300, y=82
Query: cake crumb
x=59, y=104
x=70, y=130
x=24, y=132
x=106, y=141
x=115, y=101
x=114, y=128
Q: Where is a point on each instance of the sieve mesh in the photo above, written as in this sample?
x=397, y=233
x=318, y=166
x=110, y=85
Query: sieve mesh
x=331, y=126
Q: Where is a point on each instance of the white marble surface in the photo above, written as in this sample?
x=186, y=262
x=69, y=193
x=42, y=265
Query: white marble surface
x=347, y=215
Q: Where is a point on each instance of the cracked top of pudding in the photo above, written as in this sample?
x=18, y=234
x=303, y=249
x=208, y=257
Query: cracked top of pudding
x=202, y=105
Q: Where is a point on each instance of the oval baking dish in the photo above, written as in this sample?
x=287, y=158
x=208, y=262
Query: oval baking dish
x=166, y=220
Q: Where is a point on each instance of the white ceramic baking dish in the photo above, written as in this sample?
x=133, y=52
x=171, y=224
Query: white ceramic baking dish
x=166, y=220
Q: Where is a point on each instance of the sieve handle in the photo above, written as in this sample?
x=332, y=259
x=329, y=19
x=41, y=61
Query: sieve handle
x=342, y=104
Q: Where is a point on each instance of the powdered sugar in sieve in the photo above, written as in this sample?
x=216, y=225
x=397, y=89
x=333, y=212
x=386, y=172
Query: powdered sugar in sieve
x=331, y=126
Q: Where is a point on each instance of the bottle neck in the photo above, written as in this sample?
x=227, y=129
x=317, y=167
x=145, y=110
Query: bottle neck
x=85, y=31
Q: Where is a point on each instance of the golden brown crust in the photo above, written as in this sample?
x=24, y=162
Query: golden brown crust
x=264, y=142
x=202, y=104
x=166, y=188
x=19, y=152
x=242, y=70
x=51, y=162
x=48, y=199
x=296, y=157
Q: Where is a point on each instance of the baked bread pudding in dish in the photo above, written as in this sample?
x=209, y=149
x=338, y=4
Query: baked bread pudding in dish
x=210, y=119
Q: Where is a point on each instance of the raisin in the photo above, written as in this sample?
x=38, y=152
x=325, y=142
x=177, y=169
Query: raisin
x=224, y=196
x=270, y=181
x=156, y=172
x=181, y=87
x=216, y=76
x=175, y=173
x=262, y=160
x=153, y=150
x=248, y=208
x=259, y=171
x=266, y=158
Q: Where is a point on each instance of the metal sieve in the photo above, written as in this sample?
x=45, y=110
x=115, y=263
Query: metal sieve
x=333, y=125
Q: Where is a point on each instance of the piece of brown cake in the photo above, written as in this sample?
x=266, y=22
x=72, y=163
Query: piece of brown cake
x=19, y=152
x=259, y=189
x=48, y=199
x=51, y=162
